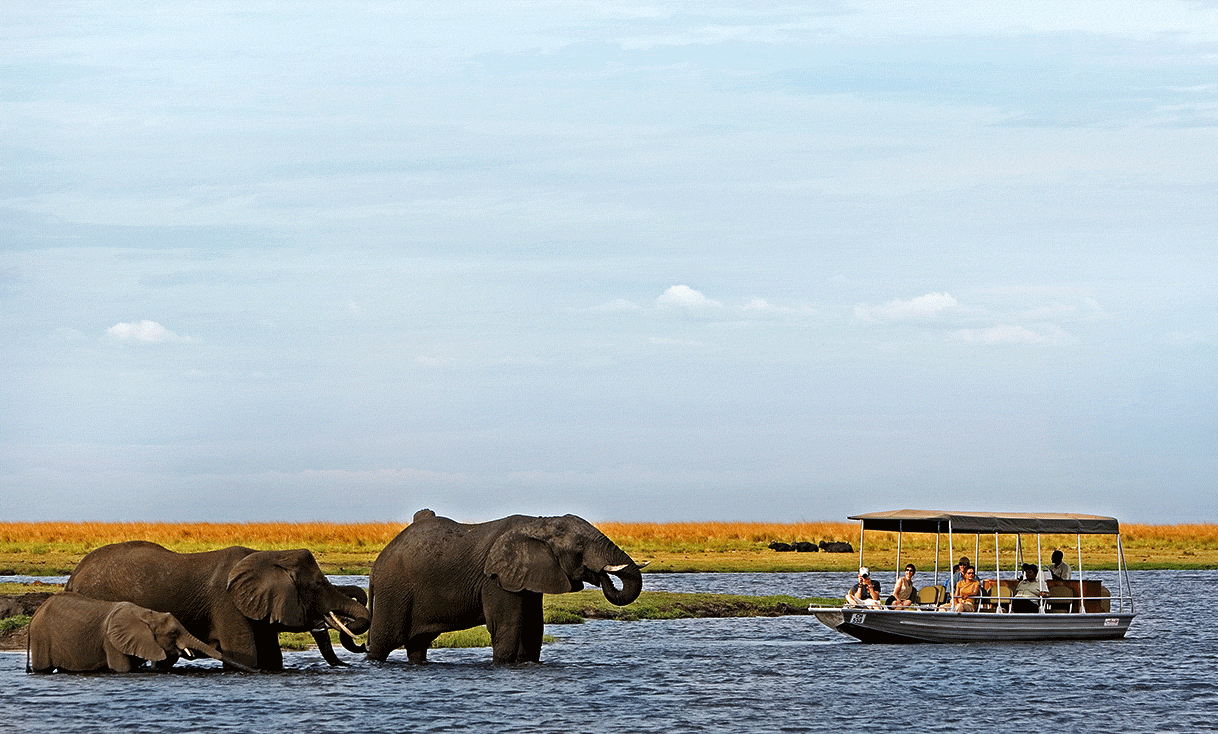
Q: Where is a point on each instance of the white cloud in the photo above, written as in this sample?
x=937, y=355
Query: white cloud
x=922, y=308
x=619, y=304
x=147, y=332
x=1012, y=334
x=682, y=296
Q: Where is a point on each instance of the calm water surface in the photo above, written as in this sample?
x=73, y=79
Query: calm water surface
x=786, y=674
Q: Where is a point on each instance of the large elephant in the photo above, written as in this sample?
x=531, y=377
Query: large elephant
x=77, y=634
x=438, y=575
x=236, y=599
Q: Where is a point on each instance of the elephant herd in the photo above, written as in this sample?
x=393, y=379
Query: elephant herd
x=132, y=602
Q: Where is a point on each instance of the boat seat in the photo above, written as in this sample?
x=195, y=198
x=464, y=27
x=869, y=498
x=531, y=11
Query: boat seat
x=1105, y=599
x=931, y=595
x=1061, y=599
x=1000, y=597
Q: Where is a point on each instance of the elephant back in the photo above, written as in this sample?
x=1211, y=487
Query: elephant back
x=152, y=576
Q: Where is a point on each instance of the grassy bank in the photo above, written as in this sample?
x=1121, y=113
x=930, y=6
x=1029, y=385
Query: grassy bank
x=55, y=548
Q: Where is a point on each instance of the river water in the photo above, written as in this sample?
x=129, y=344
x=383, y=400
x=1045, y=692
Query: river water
x=784, y=674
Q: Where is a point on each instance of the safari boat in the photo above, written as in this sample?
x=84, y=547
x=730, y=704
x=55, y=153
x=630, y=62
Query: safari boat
x=1076, y=609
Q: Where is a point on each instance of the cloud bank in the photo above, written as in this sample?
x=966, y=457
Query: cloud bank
x=144, y=332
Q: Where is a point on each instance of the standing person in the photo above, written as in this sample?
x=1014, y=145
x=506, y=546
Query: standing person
x=1060, y=569
x=866, y=593
x=904, y=594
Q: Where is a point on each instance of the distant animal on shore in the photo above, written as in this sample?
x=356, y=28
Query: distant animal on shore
x=799, y=546
x=836, y=547
x=74, y=633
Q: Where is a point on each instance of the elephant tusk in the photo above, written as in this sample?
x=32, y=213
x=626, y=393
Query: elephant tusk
x=623, y=567
x=338, y=623
x=187, y=653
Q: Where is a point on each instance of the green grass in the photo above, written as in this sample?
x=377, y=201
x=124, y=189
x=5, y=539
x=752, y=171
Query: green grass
x=9, y=624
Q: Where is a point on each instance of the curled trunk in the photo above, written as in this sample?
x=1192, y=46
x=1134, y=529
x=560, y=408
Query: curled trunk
x=632, y=584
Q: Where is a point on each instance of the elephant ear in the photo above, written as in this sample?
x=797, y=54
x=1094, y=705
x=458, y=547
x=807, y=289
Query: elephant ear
x=128, y=629
x=520, y=562
x=263, y=588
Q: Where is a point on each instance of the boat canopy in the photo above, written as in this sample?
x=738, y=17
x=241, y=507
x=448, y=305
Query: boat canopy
x=934, y=521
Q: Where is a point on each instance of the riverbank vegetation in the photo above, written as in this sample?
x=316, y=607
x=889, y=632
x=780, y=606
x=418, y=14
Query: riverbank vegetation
x=53, y=548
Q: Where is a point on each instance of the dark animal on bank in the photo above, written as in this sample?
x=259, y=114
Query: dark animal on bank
x=804, y=546
x=836, y=547
x=781, y=547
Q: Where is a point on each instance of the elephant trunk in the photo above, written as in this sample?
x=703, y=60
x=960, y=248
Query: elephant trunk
x=632, y=583
x=350, y=617
x=322, y=638
x=189, y=644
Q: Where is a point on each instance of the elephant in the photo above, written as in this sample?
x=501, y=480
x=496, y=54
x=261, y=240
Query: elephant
x=236, y=599
x=439, y=575
x=74, y=633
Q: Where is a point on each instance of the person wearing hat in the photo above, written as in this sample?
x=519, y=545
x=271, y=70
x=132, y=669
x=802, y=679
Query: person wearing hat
x=1029, y=590
x=866, y=593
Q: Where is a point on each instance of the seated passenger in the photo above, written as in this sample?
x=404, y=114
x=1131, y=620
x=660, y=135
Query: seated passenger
x=1060, y=569
x=968, y=589
x=866, y=593
x=1028, y=591
x=904, y=594
x=957, y=574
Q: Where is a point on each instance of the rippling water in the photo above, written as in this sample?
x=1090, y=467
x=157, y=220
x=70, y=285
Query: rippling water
x=785, y=674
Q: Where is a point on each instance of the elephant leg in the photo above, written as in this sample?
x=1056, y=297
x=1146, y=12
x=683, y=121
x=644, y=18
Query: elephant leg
x=266, y=643
x=532, y=628
x=416, y=648
x=504, y=614
x=385, y=635
x=167, y=663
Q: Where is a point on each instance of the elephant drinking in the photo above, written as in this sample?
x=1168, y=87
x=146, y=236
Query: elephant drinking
x=74, y=633
x=236, y=599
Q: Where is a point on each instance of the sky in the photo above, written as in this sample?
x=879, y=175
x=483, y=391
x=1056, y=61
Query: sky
x=637, y=261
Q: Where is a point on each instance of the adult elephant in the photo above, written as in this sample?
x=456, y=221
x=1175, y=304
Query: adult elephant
x=74, y=633
x=438, y=575
x=236, y=599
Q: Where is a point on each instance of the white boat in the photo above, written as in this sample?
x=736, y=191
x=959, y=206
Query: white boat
x=1077, y=609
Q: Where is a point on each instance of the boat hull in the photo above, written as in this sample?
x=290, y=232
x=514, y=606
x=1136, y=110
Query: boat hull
x=910, y=626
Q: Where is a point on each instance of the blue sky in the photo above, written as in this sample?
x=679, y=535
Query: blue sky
x=637, y=261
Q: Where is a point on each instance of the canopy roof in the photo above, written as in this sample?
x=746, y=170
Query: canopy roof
x=935, y=521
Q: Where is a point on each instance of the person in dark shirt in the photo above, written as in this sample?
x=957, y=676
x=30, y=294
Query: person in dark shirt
x=866, y=593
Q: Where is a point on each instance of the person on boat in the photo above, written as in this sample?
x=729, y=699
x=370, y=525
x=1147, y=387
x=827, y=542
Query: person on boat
x=957, y=574
x=903, y=593
x=1060, y=569
x=1029, y=591
x=968, y=589
x=866, y=593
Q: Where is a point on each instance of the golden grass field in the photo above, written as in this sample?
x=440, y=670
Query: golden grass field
x=54, y=548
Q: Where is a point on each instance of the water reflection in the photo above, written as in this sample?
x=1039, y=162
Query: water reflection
x=756, y=675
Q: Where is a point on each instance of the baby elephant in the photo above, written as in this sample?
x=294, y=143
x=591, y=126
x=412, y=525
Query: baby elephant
x=74, y=633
